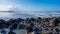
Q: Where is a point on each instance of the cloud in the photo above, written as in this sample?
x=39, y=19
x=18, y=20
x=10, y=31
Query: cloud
x=4, y=7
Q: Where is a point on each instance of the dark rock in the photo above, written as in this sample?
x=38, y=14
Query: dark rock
x=13, y=26
x=2, y=22
x=3, y=31
x=11, y=32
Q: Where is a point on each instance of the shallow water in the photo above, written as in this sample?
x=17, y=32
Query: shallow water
x=21, y=31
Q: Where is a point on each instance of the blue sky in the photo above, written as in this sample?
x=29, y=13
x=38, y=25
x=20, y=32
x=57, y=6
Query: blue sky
x=34, y=5
x=36, y=8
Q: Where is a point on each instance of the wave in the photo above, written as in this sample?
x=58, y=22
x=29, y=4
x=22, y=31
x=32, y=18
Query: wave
x=28, y=14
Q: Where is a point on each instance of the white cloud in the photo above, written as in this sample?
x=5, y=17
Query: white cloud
x=4, y=7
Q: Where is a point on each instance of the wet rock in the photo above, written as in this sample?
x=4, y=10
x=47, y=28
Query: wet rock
x=11, y=32
x=57, y=30
x=2, y=22
x=13, y=26
x=3, y=31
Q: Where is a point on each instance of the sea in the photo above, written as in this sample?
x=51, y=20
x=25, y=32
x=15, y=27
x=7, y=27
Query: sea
x=6, y=15
x=28, y=14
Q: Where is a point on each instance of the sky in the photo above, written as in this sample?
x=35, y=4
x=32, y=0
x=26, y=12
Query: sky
x=29, y=7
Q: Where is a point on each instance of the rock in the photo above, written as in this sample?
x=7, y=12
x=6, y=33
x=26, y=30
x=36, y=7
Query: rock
x=11, y=32
x=3, y=31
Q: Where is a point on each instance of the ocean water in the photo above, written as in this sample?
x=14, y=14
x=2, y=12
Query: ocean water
x=21, y=31
x=28, y=14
